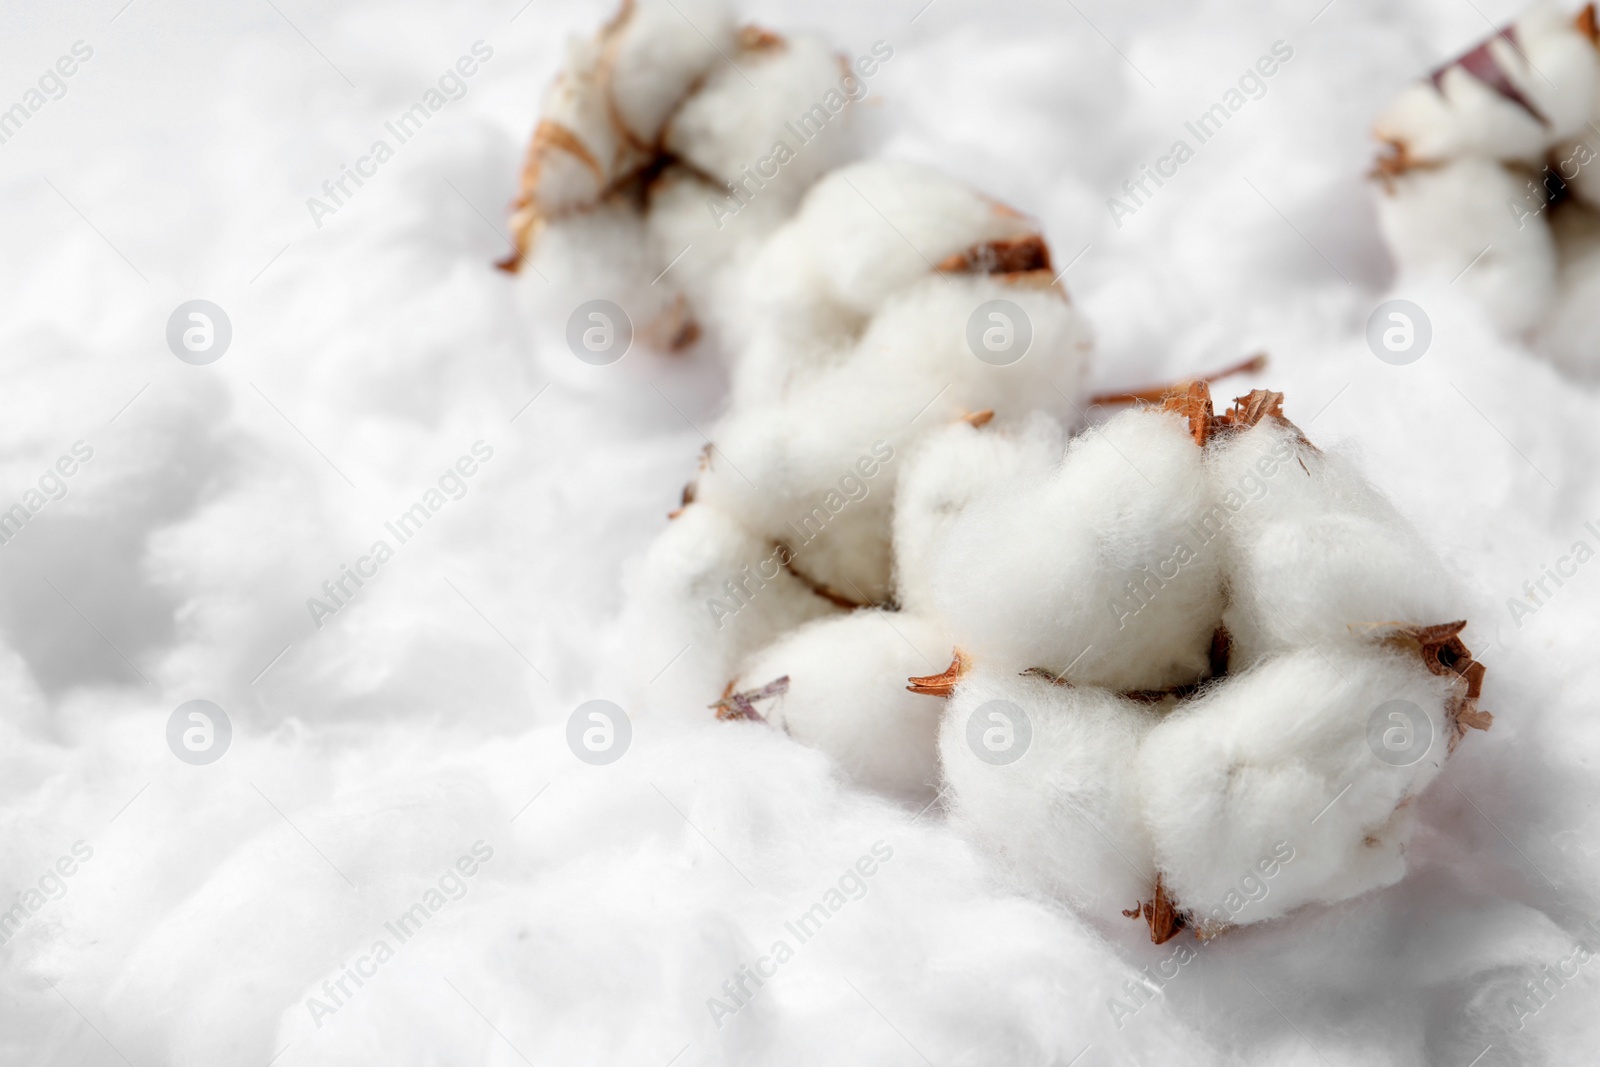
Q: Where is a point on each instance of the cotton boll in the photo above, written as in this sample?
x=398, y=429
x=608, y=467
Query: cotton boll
x=602, y=254
x=1065, y=814
x=789, y=325
x=924, y=346
x=745, y=125
x=847, y=696
x=795, y=468
x=575, y=148
x=708, y=584
x=1549, y=71
x=656, y=51
x=878, y=225
x=1315, y=555
x=1096, y=570
x=1275, y=763
x=815, y=475
x=1438, y=220
x=944, y=473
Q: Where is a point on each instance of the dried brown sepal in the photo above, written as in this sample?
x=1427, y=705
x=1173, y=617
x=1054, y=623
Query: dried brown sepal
x=1010, y=256
x=758, y=39
x=674, y=329
x=683, y=502
x=1254, y=406
x=1155, y=394
x=735, y=706
x=1193, y=402
x=1587, y=24
x=1482, y=65
x=943, y=683
x=979, y=419
x=1445, y=654
x=1162, y=914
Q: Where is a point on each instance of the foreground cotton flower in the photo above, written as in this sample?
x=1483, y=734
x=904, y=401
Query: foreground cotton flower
x=1291, y=692
x=1487, y=162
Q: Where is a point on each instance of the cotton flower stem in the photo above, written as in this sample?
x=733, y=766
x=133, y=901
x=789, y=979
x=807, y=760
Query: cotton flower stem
x=1155, y=394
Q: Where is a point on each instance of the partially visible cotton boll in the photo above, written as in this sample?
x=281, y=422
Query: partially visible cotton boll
x=1276, y=764
x=1096, y=570
x=1510, y=98
x=1316, y=556
x=846, y=695
x=1439, y=220
x=944, y=474
x=1065, y=812
x=1561, y=71
x=656, y=50
x=710, y=592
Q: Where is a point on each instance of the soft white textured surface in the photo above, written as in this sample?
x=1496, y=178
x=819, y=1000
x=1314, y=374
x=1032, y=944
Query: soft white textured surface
x=406, y=729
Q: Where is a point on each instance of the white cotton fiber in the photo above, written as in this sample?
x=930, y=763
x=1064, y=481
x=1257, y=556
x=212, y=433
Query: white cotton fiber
x=732, y=128
x=944, y=473
x=817, y=476
x=706, y=594
x=1277, y=761
x=877, y=225
x=577, y=151
x=1316, y=556
x=1095, y=570
x=1065, y=814
x=1455, y=222
x=655, y=53
x=847, y=696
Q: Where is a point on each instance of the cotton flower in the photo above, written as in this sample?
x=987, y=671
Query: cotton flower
x=1231, y=738
x=1485, y=159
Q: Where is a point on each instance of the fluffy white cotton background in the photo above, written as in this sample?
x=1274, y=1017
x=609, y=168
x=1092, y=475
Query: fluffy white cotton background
x=430, y=714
